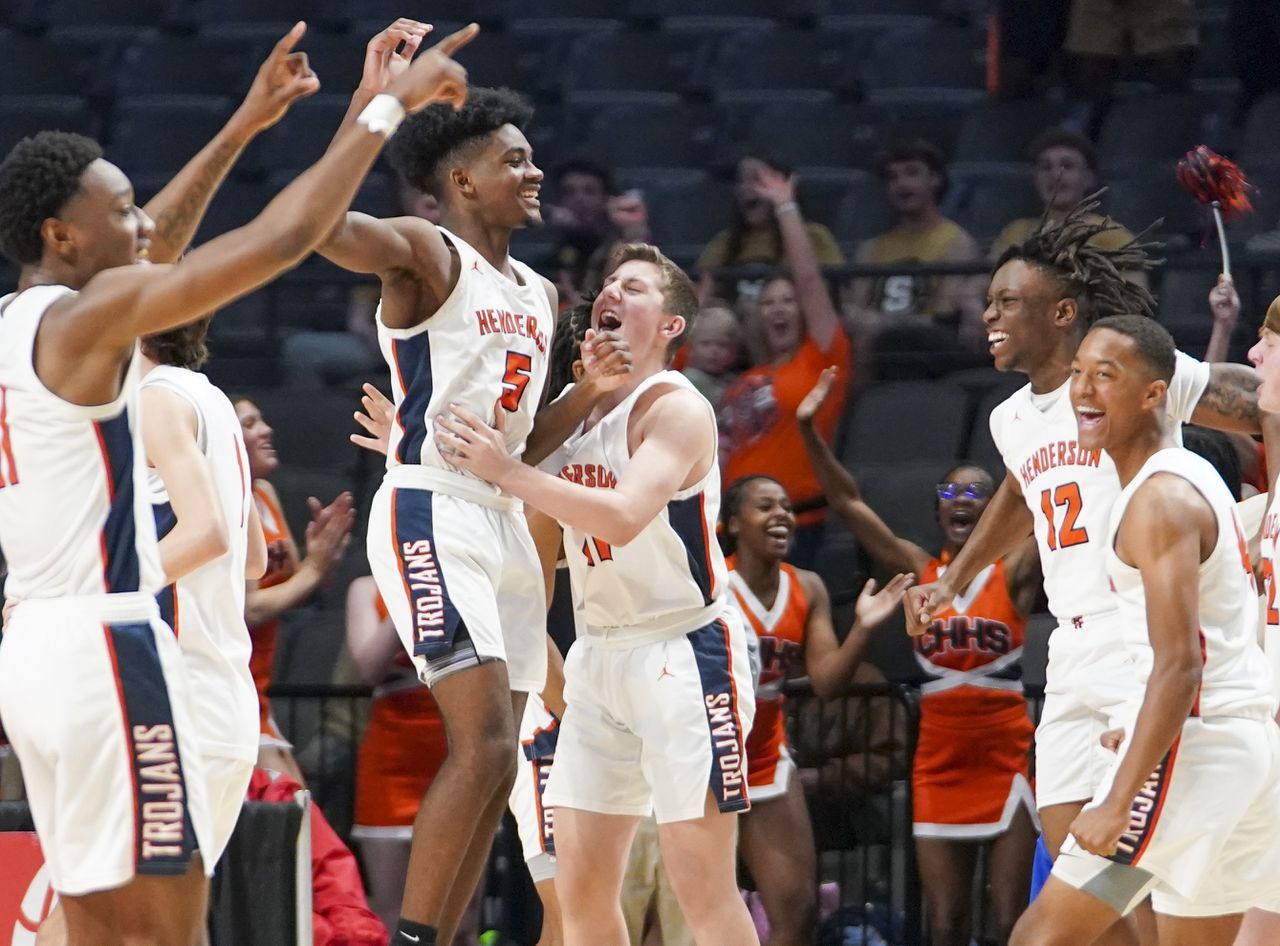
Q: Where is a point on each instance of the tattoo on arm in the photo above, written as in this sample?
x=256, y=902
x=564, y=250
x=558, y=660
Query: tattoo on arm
x=176, y=222
x=1231, y=399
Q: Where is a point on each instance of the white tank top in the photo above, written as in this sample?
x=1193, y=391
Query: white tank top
x=1235, y=680
x=205, y=608
x=1271, y=594
x=75, y=516
x=671, y=578
x=1070, y=491
x=484, y=349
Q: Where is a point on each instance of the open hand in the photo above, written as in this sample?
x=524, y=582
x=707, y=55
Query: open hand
x=470, y=444
x=816, y=397
x=383, y=64
x=282, y=79
x=379, y=413
x=434, y=76
x=1098, y=830
x=873, y=608
x=606, y=360
x=329, y=531
x=774, y=186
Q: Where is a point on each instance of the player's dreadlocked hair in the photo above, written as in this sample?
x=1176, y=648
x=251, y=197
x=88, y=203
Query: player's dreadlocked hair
x=1092, y=275
x=428, y=139
x=37, y=178
x=571, y=329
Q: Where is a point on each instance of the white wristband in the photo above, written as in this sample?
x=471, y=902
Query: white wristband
x=383, y=115
x=786, y=207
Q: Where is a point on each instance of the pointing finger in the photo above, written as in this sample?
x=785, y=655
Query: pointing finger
x=289, y=40
x=455, y=41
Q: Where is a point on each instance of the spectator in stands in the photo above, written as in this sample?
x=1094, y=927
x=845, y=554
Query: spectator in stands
x=714, y=351
x=578, y=217
x=754, y=235
x=315, y=359
x=291, y=578
x=340, y=914
x=402, y=749
x=790, y=613
x=800, y=334
x=914, y=174
x=1102, y=35
x=970, y=773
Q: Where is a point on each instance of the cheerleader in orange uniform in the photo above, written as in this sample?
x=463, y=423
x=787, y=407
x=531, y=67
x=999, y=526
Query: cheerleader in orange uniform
x=790, y=614
x=970, y=775
x=289, y=580
x=402, y=749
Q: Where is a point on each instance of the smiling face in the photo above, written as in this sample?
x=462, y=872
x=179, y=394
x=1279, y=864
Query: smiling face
x=502, y=180
x=584, y=195
x=763, y=523
x=1063, y=177
x=1112, y=390
x=714, y=341
x=101, y=227
x=963, y=496
x=1265, y=357
x=1021, y=316
x=781, y=323
x=257, y=440
x=632, y=302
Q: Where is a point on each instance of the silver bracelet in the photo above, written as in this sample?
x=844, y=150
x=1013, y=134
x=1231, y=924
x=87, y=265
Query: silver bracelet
x=383, y=115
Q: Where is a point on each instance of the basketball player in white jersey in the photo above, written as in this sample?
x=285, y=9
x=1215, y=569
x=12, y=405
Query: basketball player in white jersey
x=92, y=688
x=1188, y=810
x=460, y=321
x=658, y=687
x=211, y=540
x=1043, y=294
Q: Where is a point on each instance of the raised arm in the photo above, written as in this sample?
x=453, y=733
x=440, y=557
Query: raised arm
x=1224, y=306
x=84, y=338
x=819, y=312
x=606, y=363
x=1163, y=534
x=255, y=560
x=200, y=533
x=830, y=663
x=676, y=437
x=1005, y=523
x=844, y=497
x=282, y=79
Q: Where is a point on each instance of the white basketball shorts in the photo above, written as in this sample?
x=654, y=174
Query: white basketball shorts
x=654, y=727
x=462, y=583
x=93, y=693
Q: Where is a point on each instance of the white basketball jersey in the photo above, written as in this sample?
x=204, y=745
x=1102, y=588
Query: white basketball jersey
x=484, y=349
x=671, y=578
x=1070, y=491
x=75, y=517
x=1271, y=606
x=205, y=608
x=1235, y=680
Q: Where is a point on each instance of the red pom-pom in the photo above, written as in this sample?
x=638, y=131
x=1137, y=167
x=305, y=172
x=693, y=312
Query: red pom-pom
x=1212, y=178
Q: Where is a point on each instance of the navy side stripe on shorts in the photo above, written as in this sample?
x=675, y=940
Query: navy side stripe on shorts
x=435, y=619
x=687, y=519
x=164, y=838
x=167, y=597
x=1144, y=813
x=120, y=532
x=413, y=362
x=727, y=779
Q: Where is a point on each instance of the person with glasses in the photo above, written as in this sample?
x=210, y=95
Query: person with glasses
x=970, y=782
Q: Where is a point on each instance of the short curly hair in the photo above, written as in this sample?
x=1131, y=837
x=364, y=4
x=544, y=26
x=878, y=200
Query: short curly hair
x=37, y=178
x=425, y=141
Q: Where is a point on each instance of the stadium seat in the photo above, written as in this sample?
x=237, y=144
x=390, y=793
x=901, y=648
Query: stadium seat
x=91, y=20
x=629, y=61
x=33, y=66
x=790, y=61
x=301, y=136
x=248, y=19
x=905, y=421
x=685, y=211
x=370, y=12
x=1144, y=129
x=981, y=448
x=1141, y=200
x=525, y=63
x=885, y=14
x=825, y=134
x=864, y=212
x=1002, y=132
x=904, y=495
x=941, y=58
x=822, y=190
x=1184, y=293
x=162, y=64
x=561, y=17
x=160, y=134
x=244, y=330
x=1261, y=143
x=984, y=203
x=767, y=10
x=311, y=430
x=629, y=136
x=22, y=116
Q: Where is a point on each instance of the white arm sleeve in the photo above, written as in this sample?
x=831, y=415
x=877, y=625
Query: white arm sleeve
x=1190, y=379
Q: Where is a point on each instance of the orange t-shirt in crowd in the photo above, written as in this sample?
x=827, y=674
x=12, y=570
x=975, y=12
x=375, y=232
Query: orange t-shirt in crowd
x=757, y=419
x=263, y=637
